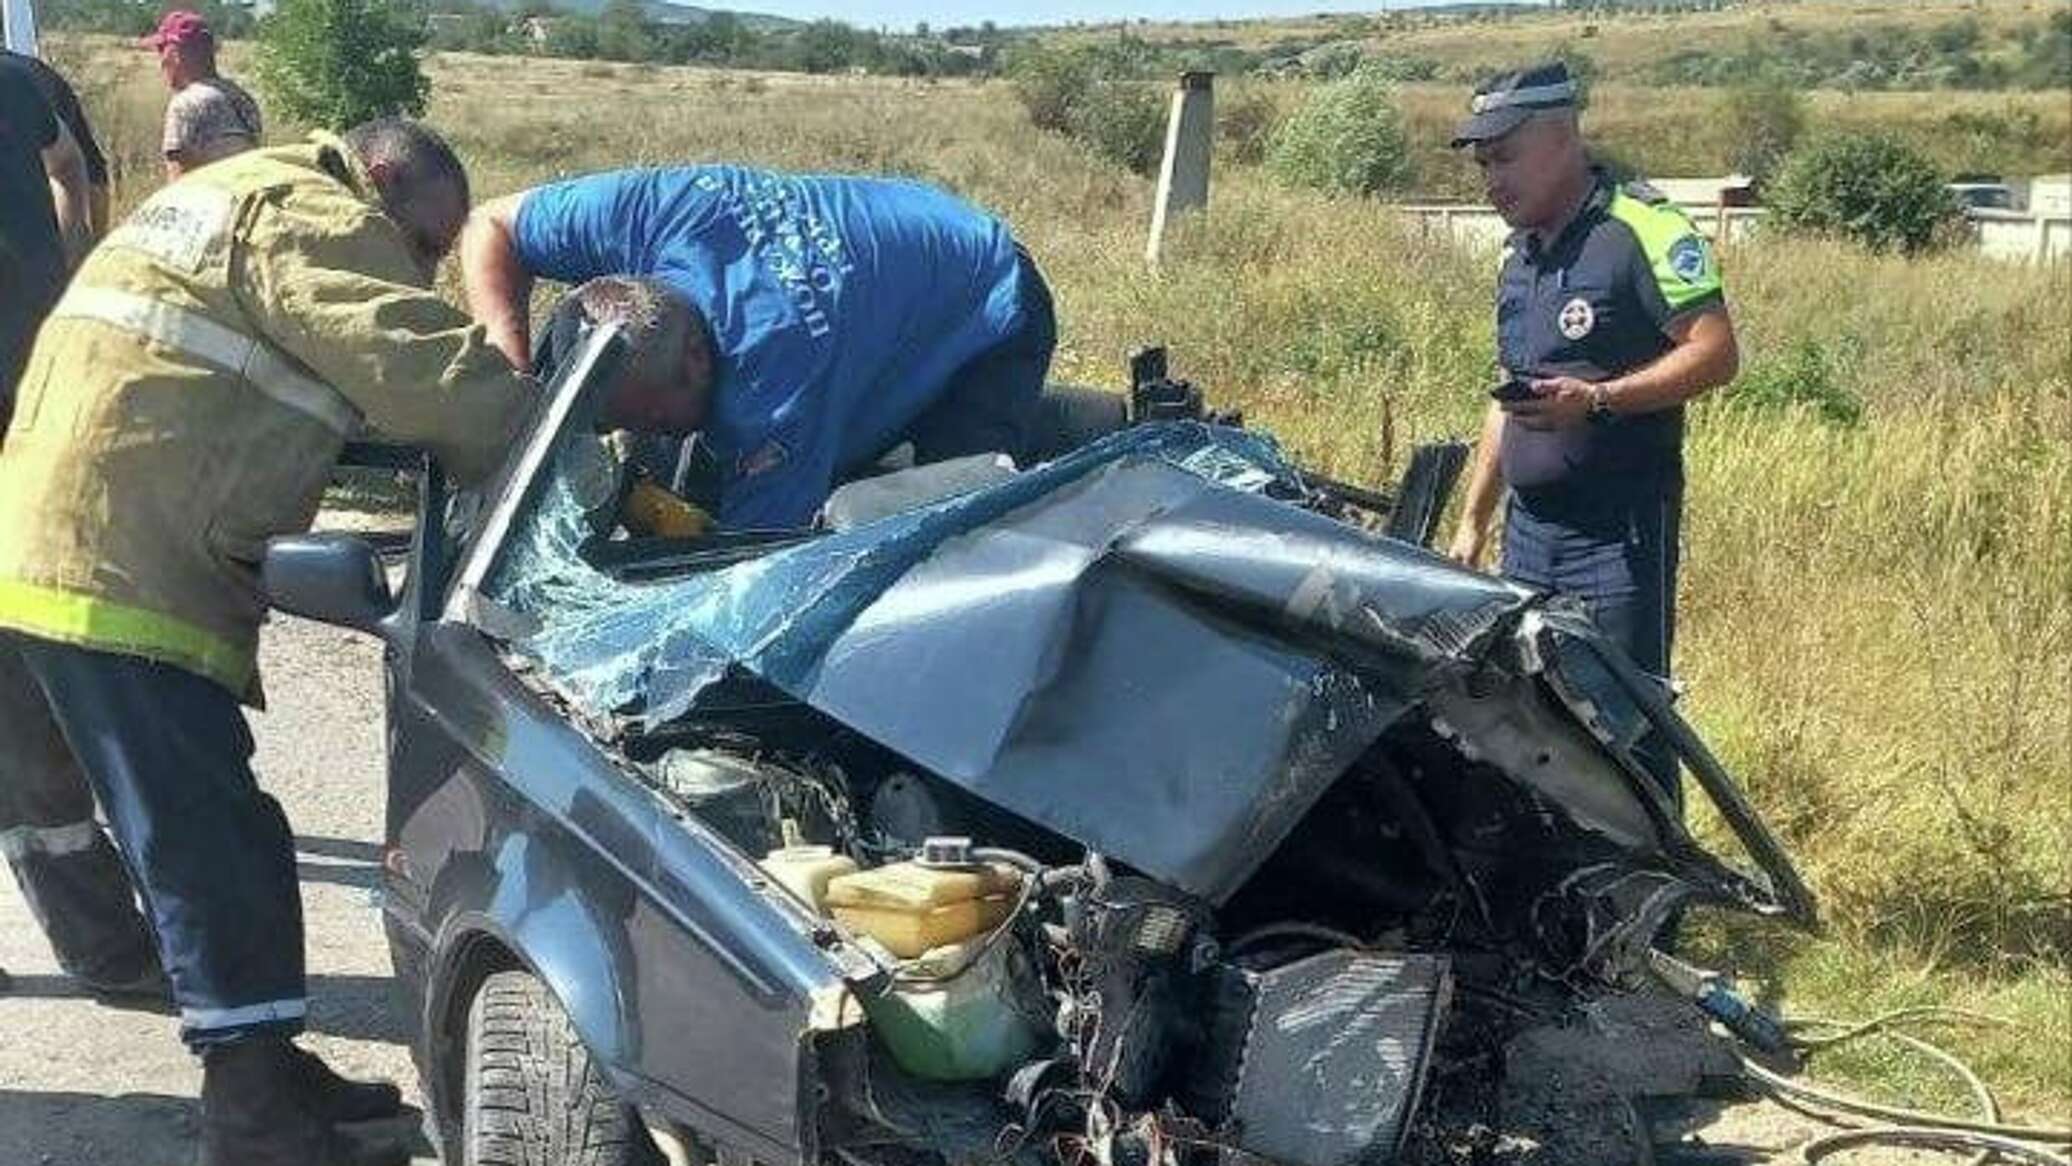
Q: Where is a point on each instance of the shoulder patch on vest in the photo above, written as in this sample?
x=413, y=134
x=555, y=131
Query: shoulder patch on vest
x=178, y=225
x=1687, y=258
x=1679, y=258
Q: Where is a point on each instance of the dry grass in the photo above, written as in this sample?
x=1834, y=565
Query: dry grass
x=1877, y=621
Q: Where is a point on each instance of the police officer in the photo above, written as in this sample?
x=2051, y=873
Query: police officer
x=1610, y=316
x=184, y=402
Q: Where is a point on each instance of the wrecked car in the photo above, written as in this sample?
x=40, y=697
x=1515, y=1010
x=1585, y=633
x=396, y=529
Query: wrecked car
x=1136, y=807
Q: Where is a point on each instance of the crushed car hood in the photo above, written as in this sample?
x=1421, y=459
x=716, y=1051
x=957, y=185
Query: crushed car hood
x=1145, y=631
x=1137, y=631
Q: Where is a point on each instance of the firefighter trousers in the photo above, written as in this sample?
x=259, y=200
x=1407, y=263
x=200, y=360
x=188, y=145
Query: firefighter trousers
x=68, y=872
x=169, y=754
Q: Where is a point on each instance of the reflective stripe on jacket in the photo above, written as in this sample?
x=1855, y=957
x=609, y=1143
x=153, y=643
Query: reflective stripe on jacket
x=188, y=397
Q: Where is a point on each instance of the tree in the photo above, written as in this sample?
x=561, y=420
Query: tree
x=623, y=33
x=826, y=46
x=571, y=35
x=720, y=37
x=1088, y=93
x=337, y=63
x=1864, y=186
x=1348, y=138
x=1764, y=121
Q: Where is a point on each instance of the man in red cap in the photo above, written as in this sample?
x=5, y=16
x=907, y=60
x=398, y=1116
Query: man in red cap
x=210, y=116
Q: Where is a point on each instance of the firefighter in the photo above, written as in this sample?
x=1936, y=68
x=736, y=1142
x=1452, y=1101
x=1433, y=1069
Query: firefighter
x=184, y=402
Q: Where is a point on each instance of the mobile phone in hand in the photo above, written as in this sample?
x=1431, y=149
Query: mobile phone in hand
x=1513, y=389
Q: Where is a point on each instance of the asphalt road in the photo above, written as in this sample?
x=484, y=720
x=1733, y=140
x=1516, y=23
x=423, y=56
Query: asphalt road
x=87, y=1085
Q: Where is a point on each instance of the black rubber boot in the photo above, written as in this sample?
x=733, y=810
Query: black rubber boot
x=340, y=1100
x=255, y=1111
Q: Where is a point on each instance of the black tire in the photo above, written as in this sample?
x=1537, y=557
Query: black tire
x=531, y=1096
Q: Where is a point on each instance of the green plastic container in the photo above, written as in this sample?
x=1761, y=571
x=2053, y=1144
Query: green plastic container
x=962, y=1029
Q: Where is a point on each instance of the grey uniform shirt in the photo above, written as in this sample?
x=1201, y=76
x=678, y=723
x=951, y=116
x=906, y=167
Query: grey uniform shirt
x=210, y=119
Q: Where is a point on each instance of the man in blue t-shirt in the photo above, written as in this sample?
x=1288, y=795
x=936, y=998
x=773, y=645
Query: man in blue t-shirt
x=838, y=316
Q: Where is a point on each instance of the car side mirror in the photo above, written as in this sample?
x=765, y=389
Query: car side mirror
x=332, y=578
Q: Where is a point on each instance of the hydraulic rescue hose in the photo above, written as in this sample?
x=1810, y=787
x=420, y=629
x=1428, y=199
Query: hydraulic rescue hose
x=1990, y=1138
x=1986, y=1135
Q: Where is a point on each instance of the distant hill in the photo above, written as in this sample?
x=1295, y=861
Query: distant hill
x=1851, y=45
x=666, y=12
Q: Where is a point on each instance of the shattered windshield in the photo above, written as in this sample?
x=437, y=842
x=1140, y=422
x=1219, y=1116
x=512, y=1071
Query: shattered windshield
x=646, y=649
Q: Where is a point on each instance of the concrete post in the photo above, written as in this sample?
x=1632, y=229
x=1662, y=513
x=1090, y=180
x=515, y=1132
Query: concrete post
x=1183, y=179
x=18, y=24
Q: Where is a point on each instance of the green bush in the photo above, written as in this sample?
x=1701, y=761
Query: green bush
x=337, y=63
x=1332, y=61
x=1348, y=137
x=573, y=36
x=1089, y=93
x=1802, y=377
x=1764, y=121
x=1864, y=186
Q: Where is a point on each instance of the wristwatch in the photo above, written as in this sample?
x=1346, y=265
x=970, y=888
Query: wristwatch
x=1601, y=405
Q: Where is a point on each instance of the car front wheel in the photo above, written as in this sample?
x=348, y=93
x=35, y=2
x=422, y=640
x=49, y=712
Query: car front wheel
x=532, y=1095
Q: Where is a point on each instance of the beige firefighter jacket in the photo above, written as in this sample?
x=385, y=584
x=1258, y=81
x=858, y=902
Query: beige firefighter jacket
x=188, y=397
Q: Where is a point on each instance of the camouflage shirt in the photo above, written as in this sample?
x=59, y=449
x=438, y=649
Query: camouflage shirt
x=210, y=119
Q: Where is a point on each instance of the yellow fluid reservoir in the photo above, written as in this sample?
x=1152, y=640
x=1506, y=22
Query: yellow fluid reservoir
x=911, y=908
x=805, y=871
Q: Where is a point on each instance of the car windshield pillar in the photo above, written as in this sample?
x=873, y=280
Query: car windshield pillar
x=573, y=400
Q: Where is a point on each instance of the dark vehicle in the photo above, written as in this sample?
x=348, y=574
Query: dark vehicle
x=1135, y=808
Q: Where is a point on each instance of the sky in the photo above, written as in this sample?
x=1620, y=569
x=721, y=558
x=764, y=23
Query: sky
x=903, y=14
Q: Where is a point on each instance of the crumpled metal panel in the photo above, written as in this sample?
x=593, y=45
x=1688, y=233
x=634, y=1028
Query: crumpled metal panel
x=1134, y=646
